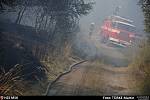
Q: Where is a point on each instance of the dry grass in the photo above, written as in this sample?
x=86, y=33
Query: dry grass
x=141, y=69
x=11, y=82
x=56, y=65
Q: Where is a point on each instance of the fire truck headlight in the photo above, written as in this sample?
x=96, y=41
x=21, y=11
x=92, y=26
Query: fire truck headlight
x=114, y=30
x=118, y=32
x=131, y=36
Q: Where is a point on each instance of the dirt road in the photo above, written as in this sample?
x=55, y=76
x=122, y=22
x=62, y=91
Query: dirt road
x=95, y=79
x=108, y=77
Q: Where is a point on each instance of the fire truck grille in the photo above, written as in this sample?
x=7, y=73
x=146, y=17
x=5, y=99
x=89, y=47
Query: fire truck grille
x=124, y=36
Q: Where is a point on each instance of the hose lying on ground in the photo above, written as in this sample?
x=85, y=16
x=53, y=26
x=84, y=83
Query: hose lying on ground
x=64, y=73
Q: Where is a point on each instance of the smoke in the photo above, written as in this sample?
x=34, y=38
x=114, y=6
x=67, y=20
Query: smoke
x=90, y=48
x=84, y=46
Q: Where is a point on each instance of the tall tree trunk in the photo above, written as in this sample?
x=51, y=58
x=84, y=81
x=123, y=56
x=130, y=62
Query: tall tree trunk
x=1, y=5
x=41, y=21
x=56, y=27
x=20, y=15
x=46, y=21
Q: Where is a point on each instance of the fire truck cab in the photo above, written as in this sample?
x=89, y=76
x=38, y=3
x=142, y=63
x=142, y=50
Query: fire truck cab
x=118, y=30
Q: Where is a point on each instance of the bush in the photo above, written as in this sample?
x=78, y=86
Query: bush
x=11, y=82
x=141, y=66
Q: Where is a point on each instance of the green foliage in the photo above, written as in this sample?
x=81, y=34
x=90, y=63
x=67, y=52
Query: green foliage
x=9, y=3
x=145, y=5
x=65, y=14
x=59, y=18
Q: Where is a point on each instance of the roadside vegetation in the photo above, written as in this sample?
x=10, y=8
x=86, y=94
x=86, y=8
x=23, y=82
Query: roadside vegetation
x=11, y=82
x=140, y=68
x=141, y=63
x=60, y=63
x=38, y=32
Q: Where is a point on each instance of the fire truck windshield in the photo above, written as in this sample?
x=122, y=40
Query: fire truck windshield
x=123, y=26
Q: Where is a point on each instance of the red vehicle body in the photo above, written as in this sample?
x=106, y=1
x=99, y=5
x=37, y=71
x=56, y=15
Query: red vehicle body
x=118, y=30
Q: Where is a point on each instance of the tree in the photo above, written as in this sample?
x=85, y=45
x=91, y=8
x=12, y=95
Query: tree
x=9, y=3
x=145, y=4
x=66, y=14
x=58, y=17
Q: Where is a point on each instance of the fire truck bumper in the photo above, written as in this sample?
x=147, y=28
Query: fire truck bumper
x=121, y=43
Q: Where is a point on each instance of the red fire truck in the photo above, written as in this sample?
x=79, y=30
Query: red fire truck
x=118, y=30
